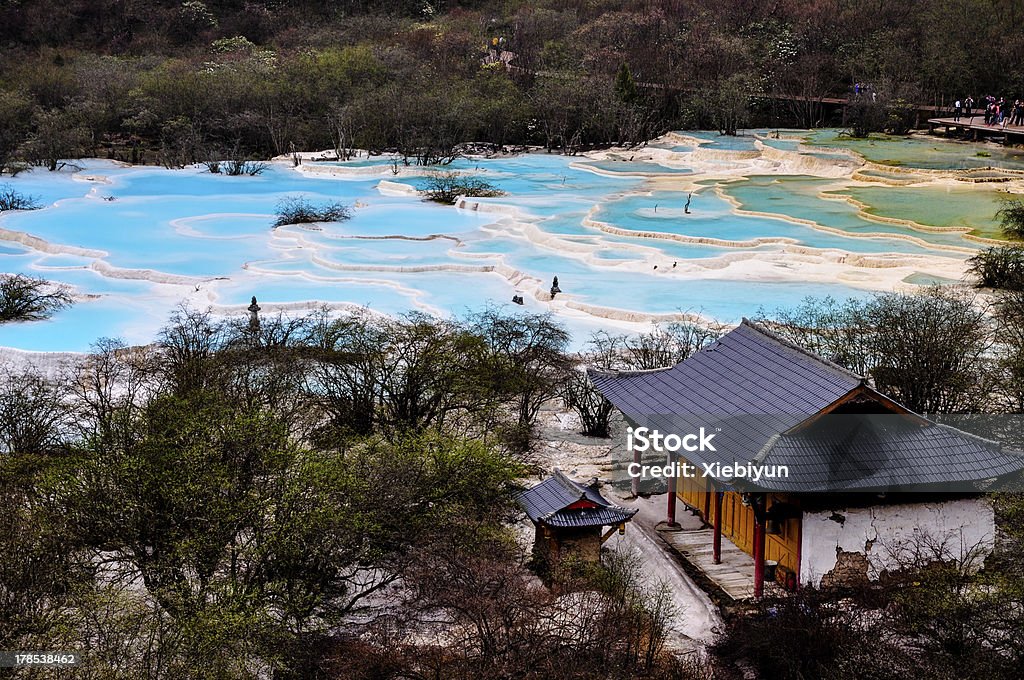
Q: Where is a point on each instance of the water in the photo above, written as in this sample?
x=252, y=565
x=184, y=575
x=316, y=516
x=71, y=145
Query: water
x=184, y=236
x=962, y=207
x=922, y=151
x=806, y=198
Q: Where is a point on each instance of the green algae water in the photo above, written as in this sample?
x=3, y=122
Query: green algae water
x=967, y=207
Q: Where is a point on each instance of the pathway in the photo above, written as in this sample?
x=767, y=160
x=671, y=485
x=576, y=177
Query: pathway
x=698, y=619
x=734, y=575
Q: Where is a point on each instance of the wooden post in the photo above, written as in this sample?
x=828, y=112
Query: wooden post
x=799, y=549
x=758, y=556
x=620, y=528
x=717, y=544
x=634, y=485
x=671, y=481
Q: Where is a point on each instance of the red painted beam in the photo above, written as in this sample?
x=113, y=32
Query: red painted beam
x=717, y=545
x=799, y=548
x=758, y=557
x=671, y=495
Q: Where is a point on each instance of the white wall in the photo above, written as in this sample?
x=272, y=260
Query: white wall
x=887, y=534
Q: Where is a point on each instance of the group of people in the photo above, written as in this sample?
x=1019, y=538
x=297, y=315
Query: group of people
x=866, y=90
x=996, y=111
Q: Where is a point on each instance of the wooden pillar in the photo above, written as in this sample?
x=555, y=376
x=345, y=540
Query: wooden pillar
x=634, y=485
x=671, y=481
x=717, y=545
x=799, y=549
x=758, y=555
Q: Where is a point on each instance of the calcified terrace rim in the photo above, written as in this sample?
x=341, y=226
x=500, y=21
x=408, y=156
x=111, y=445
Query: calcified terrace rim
x=800, y=263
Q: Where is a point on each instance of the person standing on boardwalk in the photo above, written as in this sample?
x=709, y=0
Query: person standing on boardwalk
x=968, y=106
x=956, y=111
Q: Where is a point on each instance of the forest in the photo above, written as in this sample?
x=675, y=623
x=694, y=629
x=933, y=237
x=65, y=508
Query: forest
x=324, y=497
x=179, y=82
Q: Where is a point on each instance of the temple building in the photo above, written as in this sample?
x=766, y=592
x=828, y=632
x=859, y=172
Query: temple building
x=569, y=517
x=811, y=471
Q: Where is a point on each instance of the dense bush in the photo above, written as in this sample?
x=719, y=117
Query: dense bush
x=999, y=267
x=811, y=635
x=1011, y=216
x=932, y=619
x=297, y=210
x=446, y=187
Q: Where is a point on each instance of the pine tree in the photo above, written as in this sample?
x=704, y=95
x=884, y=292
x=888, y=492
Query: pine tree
x=625, y=86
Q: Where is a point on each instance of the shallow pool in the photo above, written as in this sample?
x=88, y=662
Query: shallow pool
x=134, y=243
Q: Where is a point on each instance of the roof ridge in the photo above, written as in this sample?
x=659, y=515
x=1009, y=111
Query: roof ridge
x=622, y=372
x=998, y=445
x=758, y=328
x=761, y=455
x=568, y=484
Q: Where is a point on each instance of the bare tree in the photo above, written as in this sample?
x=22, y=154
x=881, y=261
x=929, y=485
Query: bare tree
x=592, y=408
x=25, y=298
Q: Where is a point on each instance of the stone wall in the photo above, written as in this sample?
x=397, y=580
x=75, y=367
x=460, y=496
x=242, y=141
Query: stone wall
x=849, y=545
x=579, y=544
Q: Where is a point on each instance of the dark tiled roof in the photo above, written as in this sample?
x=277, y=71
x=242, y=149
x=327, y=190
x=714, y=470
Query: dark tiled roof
x=546, y=504
x=751, y=387
x=750, y=383
x=884, y=452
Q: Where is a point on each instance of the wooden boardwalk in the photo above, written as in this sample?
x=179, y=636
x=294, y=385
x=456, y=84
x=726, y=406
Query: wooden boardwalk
x=974, y=127
x=735, y=574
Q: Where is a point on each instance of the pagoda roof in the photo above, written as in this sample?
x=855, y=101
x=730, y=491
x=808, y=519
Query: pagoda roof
x=561, y=502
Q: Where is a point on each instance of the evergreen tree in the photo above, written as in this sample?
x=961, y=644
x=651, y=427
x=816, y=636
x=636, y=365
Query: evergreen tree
x=625, y=86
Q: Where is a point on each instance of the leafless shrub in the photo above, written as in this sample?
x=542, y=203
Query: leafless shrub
x=10, y=199
x=26, y=298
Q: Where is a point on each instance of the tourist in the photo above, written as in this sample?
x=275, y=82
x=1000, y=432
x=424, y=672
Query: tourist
x=968, y=106
x=956, y=111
